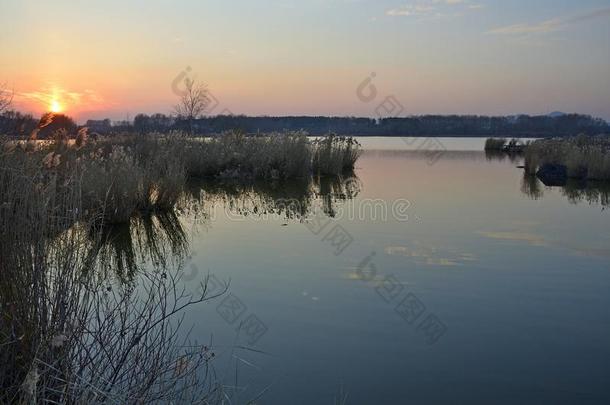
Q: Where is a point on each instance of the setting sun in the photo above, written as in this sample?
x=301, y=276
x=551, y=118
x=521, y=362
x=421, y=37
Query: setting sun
x=55, y=107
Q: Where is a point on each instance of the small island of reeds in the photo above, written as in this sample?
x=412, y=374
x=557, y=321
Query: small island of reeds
x=504, y=145
x=581, y=157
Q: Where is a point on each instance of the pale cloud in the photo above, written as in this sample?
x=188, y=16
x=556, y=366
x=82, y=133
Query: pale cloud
x=410, y=10
x=542, y=27
x=551, y=25
x=433, y=8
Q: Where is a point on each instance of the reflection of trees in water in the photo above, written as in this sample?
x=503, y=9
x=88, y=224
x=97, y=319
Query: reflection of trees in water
x=290, y=199
x=153, y=239
x=158, y=240
x=531, y=186
x=334, y=190
x=591, y=192
x=501, y=155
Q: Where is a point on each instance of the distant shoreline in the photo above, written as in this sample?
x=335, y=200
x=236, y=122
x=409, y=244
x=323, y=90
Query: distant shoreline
x=449, y=126
x=523, y=126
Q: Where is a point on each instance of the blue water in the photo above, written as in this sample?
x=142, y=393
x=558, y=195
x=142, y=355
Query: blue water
x=468, y=290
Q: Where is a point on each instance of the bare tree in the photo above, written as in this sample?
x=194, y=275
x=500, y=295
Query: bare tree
x=6, y=97
x=193, y=102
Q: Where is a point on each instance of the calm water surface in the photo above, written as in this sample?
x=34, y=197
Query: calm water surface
x=506, y=285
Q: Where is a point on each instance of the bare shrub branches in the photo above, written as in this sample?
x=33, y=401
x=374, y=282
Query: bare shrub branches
x=70, y=334
x=334, y=155
x=6, y=97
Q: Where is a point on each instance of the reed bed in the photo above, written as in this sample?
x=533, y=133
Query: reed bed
x=334, y=155
x=124, y=175
x=496, y=144
x=234, y=155
x=68, y=335
x=514, y=146
x=583, y=157
x=270, y=157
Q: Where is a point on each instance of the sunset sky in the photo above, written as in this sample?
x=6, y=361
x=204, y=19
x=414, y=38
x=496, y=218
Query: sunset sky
x=96, y=59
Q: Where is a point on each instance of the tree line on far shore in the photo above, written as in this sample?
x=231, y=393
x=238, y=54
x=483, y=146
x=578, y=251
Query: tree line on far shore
x=189, y=115
x=15, y=124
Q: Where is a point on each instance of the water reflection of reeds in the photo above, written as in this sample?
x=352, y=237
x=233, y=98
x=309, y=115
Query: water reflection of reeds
x=501, y=155
x=292, y=200
x=576, y=191
x=159, y=240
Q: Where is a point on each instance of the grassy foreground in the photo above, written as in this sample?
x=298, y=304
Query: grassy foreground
x=67, y=334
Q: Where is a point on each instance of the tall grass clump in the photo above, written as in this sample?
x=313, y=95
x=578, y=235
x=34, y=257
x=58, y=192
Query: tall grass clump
x=164, y=171
x=335, y=155
x=495, y=144
x=583, y=157
x=137, y=174
x=270, y=156
x=113, y=184
x=120, y=176
x=234, y=155
x=502, y=145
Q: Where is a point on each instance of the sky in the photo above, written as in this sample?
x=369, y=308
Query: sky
x=117, y=58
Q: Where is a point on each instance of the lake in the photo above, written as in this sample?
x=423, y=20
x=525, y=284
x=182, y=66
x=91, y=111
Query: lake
x=429, y=277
